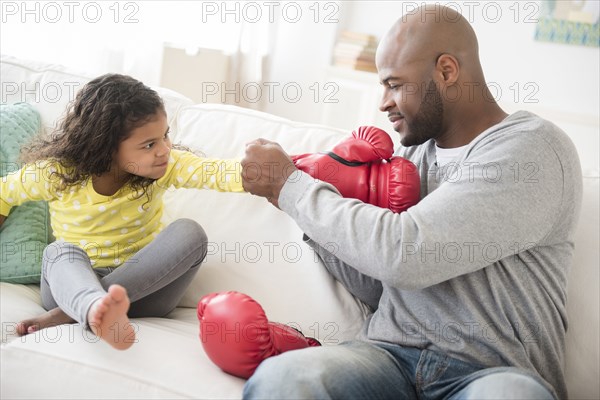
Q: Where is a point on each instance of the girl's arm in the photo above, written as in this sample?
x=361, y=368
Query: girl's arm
x=33, y=182
x=187, y=170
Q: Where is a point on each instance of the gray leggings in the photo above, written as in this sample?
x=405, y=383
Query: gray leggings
x=155, y=278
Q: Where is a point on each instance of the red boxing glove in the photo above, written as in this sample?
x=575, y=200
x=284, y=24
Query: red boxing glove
x=362, y=167
x=237, y=336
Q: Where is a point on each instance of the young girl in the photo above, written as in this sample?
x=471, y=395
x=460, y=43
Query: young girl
x=103, y=174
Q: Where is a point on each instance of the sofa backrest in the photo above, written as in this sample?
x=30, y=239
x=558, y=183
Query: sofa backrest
x=253, y=247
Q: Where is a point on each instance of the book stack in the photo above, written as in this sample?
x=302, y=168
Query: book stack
x=355, y=50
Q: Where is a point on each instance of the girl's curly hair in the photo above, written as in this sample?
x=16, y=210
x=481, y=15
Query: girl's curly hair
x=102, y=115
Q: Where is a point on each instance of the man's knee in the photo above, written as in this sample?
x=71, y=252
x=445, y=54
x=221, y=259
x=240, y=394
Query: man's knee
x=268, y=378
x=505, y=385
x=294, y=373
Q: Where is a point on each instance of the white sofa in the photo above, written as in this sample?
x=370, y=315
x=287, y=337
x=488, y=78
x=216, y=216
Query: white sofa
x=254, y=249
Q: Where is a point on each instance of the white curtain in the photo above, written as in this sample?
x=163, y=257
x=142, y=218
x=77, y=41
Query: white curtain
x=95, y=37
x=247, y=66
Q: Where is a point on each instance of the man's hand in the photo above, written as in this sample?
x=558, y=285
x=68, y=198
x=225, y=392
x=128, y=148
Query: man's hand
x=265, y=169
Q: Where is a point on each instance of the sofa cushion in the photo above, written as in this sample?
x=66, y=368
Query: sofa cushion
x=167, y=361
x=253, y=247
x=26, y=231
x=583, y=300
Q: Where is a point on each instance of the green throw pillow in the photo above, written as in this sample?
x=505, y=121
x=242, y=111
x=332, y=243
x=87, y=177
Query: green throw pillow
x=26, y=231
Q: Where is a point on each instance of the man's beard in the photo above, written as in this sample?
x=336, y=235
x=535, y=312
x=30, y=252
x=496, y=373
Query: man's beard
x=427, y=123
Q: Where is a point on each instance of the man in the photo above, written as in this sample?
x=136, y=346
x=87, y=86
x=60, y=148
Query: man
x=468, y=287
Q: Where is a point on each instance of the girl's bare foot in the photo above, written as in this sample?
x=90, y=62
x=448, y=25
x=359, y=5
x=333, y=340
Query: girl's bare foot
x=51, y=318
x=108, y=318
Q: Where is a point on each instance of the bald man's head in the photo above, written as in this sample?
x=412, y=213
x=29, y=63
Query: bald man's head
x=434, y=88
x=420, y=37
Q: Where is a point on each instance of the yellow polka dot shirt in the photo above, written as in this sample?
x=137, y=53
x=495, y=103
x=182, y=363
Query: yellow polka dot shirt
x=113, y=228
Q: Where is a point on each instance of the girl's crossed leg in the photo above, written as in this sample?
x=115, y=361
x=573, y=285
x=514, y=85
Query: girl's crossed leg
x=154, y=281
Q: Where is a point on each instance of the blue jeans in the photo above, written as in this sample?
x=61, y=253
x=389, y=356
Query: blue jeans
x=375, y=370
x=155, y=278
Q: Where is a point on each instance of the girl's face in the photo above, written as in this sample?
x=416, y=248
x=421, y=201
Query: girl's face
x=146, y=151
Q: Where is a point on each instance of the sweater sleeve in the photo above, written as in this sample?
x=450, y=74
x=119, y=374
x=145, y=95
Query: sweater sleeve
x=187, y=170
x=30, y=183
x=503, y=196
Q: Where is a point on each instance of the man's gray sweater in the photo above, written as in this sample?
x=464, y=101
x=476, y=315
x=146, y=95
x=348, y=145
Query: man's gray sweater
x=478, y=268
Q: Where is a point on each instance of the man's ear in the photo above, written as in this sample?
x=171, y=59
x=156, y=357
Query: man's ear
x=448, y=67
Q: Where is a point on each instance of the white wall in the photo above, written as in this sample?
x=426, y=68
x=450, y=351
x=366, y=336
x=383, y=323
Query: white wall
x=558, y=77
